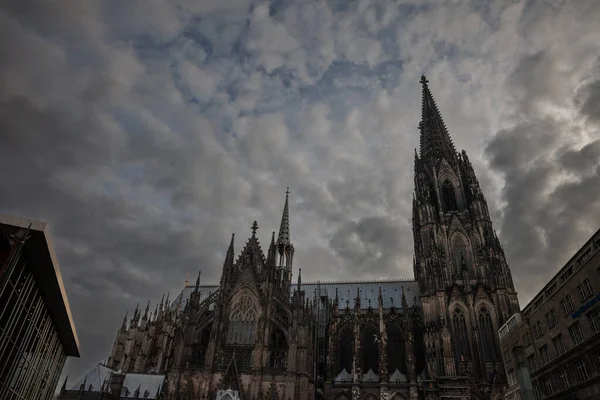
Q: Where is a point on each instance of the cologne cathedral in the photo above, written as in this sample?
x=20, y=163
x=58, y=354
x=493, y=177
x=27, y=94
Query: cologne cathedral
x=258, y=335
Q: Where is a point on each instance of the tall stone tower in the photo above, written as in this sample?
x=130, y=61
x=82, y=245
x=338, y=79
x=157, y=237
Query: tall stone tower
x=466, y=287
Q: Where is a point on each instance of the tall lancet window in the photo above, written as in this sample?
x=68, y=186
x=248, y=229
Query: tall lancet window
x=449, y=196
x=460, y=336
x=278, y=348
x=242, y=322
x=395, y=349
x=370, y=349
x=460, y=253
x=487, y=332
x=345, y=349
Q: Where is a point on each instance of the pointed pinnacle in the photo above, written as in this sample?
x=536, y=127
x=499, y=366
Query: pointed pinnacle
x=284, y=228
x=435, y=140
x=254, y=228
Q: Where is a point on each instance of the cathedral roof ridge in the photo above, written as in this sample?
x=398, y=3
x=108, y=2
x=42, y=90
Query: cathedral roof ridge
x=328, y=282
x=358, y=281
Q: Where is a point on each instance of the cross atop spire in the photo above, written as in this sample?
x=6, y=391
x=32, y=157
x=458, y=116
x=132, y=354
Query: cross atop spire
x=435, y=140
x=284, y=229
x=254, y=228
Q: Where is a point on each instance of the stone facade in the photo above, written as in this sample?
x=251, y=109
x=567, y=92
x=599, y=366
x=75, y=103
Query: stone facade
x=555, y=340
x=467, y=291
x=257, y=335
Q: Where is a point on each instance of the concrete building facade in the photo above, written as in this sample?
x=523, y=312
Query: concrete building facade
x=36, y=329
x=555, y=340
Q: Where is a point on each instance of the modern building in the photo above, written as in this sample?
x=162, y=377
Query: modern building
x=36, y=329
x=256, y=335
x=554, y=343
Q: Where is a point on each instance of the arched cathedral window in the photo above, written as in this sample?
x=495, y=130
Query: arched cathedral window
x=346, y=349
x=460, y=253
x=200, y=346
x=460, y=336
x=427, y=242
x=242, y=322
x=278, y=348
x=449, y=196
x=487, y=332
x=395, y=349
x=370, y=349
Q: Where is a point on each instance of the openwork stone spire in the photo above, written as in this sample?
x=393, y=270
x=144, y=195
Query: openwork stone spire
x=284, y=229
x=435, y=140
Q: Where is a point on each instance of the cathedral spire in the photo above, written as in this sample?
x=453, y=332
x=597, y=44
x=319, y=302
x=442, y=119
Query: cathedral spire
x=229, y=260
x=284, y=229
x=124, y=324
x=230, y=255
x=435, y=140
x=198, y=282
x=285, y=248
x=272, y=254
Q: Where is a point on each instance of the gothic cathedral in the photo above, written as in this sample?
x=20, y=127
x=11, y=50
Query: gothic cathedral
x=257, y=335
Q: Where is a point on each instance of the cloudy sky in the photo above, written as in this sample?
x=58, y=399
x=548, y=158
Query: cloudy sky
x=146, y=132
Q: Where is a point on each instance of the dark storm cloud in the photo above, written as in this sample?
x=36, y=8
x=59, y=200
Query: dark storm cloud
x=588, y=96
x=146, y=133
x=550, y=171
x=372, y=247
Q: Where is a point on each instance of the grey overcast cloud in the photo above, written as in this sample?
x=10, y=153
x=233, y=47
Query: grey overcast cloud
x=146, y=132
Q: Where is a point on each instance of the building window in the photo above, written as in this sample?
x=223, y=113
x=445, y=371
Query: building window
x=566, y=274
x=544, y=355
x=563, y=379
x=460, y=253
x=460, y=336
x=585, y=289
x=538, y=303
x=537, y=329
x=585, y=256
x=449, y=196
x=559, y=344
x=532, y=362
x=551, y=289
x=582, y=371
x=576, y=333
x=536, y=391
x=426, y=240
x=488, y=335
x=370, y=349
x=527, y=338
x=547, y=386
x=507, y=356
x=512, y=377
x=346, y=349
x=517, y=395
x=278, y=348
x=594, y=318
x=243, y=322
x=551, y=317
x=567, y=304
x=395, y=348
